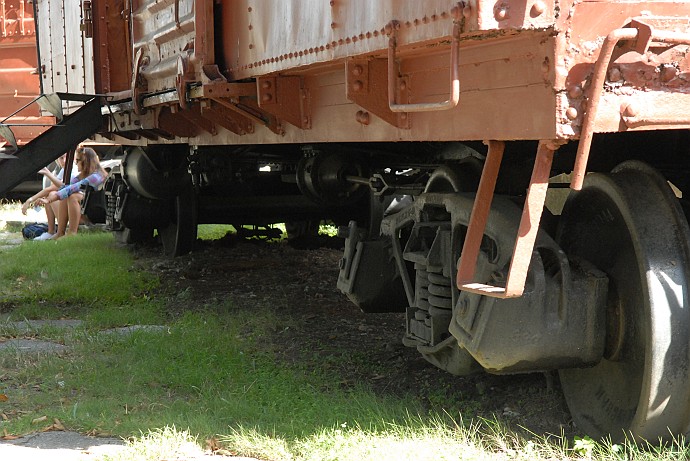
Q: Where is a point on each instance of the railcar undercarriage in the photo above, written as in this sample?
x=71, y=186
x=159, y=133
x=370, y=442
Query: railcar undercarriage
x=606, y=283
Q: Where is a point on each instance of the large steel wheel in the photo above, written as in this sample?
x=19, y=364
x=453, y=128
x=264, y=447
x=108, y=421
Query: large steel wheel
x=629, y=225
x=179, y=236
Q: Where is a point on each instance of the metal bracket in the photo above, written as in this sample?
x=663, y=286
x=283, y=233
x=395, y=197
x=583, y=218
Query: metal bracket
x=7, y=133
x=139, y=85
x=51, y=103
x=240, y=109
x=367, y=81
x=644, y=35
x=527, y=232
x=194, y=116
x=86, y=25
x=286, y=98
x=229, y=119
x=169, y=122
x=185, y=75
x=232, y=91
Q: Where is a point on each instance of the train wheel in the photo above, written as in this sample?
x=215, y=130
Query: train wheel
x=179, y=236
x=630, y=225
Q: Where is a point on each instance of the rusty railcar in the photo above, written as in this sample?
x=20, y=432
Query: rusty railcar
x=509, y=173
x=19, y=80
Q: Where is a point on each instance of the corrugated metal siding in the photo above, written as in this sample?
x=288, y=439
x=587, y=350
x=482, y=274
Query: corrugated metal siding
x=66, y=55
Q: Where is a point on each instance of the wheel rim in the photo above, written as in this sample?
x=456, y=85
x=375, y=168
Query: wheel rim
x=630, y=226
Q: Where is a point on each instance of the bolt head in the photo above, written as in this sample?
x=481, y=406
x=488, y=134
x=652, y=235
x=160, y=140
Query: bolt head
x=501, y=14
x=668, y=73
x=615, y=74
x=575, y=91
x=538, y=8
x=571, y=113
x=545, y=66
x=630, y=110
x=362, y=117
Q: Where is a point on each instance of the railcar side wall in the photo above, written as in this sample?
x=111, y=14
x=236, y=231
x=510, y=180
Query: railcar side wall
x=202, y=72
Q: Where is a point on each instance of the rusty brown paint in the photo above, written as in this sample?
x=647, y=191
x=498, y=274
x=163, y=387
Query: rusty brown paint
x=362, y=117
x=596, y=87
x=454, y=97
x=480, y=214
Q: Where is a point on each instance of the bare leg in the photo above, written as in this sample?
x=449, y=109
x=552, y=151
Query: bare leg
x=62, y=217
x=74, y=212
x=51, y=213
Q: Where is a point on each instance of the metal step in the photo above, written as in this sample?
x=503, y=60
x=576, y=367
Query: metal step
x=52, y=143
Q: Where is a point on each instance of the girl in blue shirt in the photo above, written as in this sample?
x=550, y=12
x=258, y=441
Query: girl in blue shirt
x=70, y=196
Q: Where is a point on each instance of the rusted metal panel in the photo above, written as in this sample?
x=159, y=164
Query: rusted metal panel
x=19, y=81
x=17, y=19
x=110, y=43
x=177, y=36
x=260, y=43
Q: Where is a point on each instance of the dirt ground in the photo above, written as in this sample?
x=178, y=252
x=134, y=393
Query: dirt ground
x=319, y=327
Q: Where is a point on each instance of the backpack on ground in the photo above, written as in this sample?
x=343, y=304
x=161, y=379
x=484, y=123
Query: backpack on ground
x=31, y=231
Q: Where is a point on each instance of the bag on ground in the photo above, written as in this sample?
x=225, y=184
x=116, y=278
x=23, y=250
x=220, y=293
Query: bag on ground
x=31, y=231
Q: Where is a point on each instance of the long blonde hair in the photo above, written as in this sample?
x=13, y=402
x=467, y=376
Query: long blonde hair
x=88, y=161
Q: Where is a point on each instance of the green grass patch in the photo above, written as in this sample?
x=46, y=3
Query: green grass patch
x=201, y=372
x=212, y=373
x=213, y=231
x=140, y=312
x=86, y=269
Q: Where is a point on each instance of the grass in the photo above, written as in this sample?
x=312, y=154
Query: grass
x=56, y=272
x=213, y=231
x=210, y=375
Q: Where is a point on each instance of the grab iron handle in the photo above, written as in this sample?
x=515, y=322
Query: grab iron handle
x=454, y=97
